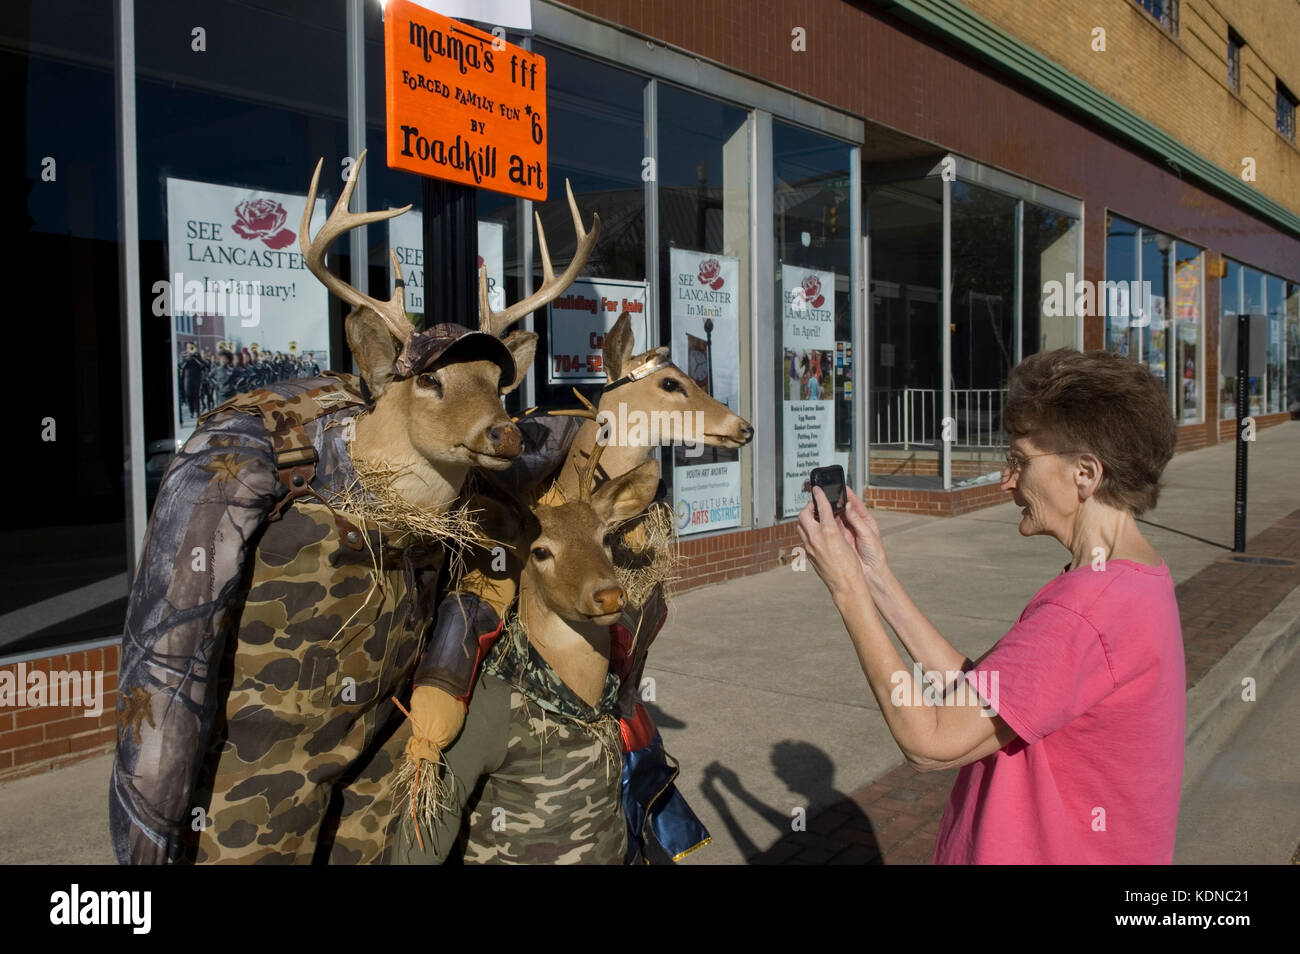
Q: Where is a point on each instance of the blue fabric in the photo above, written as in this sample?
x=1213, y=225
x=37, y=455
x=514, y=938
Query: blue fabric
x=649, y=796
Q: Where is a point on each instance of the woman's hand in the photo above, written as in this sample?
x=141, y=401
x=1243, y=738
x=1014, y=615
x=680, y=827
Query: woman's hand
x=865, y=537
x=829, y=544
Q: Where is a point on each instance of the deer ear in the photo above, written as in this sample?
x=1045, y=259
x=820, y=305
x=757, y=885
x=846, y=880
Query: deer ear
x=662, y=353
x=523, y=346
x=373, y=346
x=618, y=347
x=627, y=495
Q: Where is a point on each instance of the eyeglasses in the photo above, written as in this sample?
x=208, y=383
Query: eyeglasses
x=1015, y=463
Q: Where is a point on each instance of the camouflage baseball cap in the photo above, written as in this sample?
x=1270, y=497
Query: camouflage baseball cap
x=425, y=348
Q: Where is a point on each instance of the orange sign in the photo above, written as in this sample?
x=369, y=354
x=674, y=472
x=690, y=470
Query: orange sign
x=463, y=105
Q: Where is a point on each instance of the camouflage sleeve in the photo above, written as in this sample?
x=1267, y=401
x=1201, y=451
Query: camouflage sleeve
x=184, y=606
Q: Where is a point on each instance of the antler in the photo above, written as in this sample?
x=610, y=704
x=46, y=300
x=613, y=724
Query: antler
x=496, y=322
x=393, y=311
x=588, y=410
x=587, y=476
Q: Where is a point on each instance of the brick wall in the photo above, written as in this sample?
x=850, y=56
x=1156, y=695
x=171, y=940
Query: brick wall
x=38, y=738
x=1179, y=84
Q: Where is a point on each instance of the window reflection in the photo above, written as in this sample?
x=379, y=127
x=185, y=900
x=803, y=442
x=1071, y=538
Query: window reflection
x=983, y=324
x=1121, y=270
x=1051, y=255
x=704, y=253
x=906, y=226
x=1153, y=300
x=63, y=552
x=814, y=257
x=596, y=137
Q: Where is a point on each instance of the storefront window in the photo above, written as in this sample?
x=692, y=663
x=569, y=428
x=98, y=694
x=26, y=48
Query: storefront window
x=704, y=281
x=1185, y=332
x=226, y=140
x=596, y=136
x=816, y=374
x=1274, y=376
x=64, y=544
x=905, y=221
x=1050, y=261
x=1121, y=274
x=1252, y=299
x=1156, y=251
x=1014, y=264
x=1291, y=346
x=983, y=325
x=1229, y=309
x=1153, y=302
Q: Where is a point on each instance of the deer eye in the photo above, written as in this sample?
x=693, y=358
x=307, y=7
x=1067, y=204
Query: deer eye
x=430, y=380
x=669, y=384
x=541, y=553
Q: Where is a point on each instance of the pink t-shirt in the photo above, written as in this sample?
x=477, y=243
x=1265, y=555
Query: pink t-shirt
x=1092, y=680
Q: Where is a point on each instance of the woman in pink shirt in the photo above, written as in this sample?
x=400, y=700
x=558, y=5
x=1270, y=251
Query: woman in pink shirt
x=1070, y=730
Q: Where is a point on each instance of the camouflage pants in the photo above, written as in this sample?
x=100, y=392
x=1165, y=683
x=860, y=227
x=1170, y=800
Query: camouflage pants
x=311, y=700
x=549, y=793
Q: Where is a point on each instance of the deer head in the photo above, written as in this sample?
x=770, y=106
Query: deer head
x=651, y=385
x=437, y=392
x=568, y=591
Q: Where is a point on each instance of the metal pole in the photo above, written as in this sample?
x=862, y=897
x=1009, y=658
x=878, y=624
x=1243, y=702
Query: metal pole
x=358, y=250
x=1243, y=412
x=945, y=339
x=129, y=263
x=450, y=253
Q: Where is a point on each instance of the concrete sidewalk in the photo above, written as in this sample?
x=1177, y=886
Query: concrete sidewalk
x=759, y=695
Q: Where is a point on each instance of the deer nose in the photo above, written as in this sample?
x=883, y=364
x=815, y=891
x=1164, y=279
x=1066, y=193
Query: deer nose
x=504, y=439
x=608, y=600
x=746, y=433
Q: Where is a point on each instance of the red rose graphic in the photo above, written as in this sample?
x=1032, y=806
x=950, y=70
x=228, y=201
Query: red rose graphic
x=263, y=219
x=711, y=273
x=480, y=261
x=812, y=287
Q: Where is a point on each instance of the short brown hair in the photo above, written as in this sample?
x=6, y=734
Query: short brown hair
x=1102, y=403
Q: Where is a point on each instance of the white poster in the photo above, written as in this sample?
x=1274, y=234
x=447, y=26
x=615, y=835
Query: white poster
x=706, y=345
x=245, y=310
x=707, y=495
x=808, y=392
x=406, y=236
x=578, y=320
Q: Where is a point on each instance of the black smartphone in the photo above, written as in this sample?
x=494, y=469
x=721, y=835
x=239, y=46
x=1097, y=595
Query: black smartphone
x=831, y=481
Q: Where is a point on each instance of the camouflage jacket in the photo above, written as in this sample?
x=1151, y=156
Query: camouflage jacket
x=191, y=584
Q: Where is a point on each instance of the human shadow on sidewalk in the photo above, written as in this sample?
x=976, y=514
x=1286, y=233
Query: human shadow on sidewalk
x=809, y=772
x=661, y=719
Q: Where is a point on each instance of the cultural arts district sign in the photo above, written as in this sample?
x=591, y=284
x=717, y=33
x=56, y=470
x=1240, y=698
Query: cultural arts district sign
x=463, y=105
